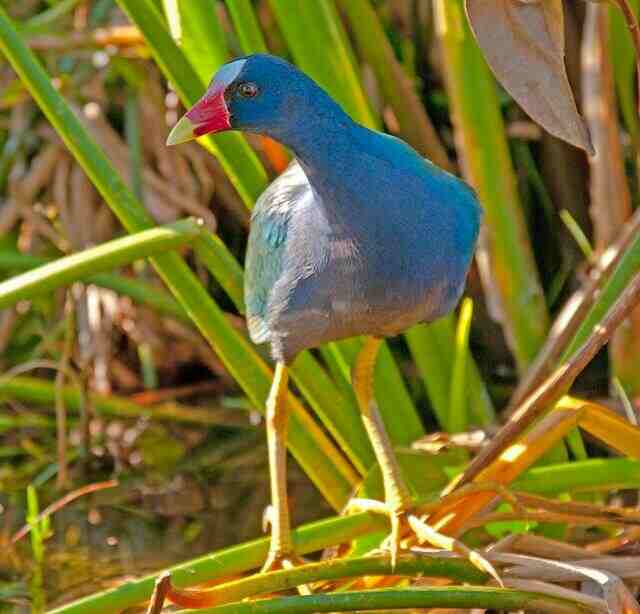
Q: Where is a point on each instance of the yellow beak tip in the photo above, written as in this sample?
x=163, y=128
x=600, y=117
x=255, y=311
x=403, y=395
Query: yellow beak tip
x=181, y=132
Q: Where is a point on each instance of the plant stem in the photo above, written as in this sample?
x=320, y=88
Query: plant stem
x=407, y=565
x=109, y=255
x=438, y=597
x=43, y=392
x=554, y=387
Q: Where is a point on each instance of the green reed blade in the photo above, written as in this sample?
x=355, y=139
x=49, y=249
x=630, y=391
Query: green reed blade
x=318, y=456
x=110, y=255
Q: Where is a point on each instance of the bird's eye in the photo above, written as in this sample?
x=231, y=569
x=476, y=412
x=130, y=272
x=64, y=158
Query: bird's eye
x=248, y=90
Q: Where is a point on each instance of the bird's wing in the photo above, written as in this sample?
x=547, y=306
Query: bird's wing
x=267, y=245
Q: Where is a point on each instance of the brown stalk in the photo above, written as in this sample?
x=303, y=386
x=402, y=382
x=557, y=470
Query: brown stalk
x=159, y=595
x=610, y=196
x=546, y=516
x=569, y=319
x=61, y=413
x=554, y=387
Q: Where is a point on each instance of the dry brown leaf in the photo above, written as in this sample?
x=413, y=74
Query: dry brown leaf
x=617, y=596
x=523, y=42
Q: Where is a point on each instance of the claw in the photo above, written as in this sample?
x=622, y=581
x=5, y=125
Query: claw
x=423, y=532
x=277, y=560
x=267, y=518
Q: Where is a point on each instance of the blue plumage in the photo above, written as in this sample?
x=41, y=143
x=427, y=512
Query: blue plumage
x=361, y=235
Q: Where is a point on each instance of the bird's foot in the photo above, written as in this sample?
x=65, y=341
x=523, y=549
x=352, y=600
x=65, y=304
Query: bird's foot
x=281, y=555
x=279, y=560
x=397, y=519
x=408, y=527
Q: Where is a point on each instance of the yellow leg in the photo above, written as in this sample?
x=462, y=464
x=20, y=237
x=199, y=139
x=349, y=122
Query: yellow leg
x=397, y=498
x=398, y=503
x=277, y=411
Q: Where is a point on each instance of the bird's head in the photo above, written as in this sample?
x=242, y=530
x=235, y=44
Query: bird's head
x=258, y=93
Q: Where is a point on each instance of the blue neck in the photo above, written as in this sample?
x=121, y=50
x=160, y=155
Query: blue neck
x=319, y=135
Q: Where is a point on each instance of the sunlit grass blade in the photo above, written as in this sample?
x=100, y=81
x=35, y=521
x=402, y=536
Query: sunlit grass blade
x=350, y=567
x=140, y=291
x=195, y=28
x=626, y=270
x=110, y=255
x=430, y=346
x=512, y=274
x=246, y=25
x=43, y=392
x=577, y=233
x=239, y=161
x=415, y=126
x=309, y=33
x=458, y=413
x=223, y=266
x=624, y=66
x=318, y=456
x=457, y=597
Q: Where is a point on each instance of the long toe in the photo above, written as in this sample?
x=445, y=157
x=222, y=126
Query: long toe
x=397, y=520
x=425, y=533
x=409, y=528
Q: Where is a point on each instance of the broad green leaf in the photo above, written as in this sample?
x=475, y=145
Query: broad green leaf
x=195, y=28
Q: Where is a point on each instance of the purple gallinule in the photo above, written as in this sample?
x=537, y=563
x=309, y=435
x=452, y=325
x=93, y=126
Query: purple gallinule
x=359, y=236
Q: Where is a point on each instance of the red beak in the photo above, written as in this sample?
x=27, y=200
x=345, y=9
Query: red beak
x=209, y=115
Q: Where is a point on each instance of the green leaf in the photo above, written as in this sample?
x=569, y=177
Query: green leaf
x=318, y=456
x=195, y=28
x=110, y=255
x=430, y=346
x=247, y=26
x=458, y=418
x=310, y=33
